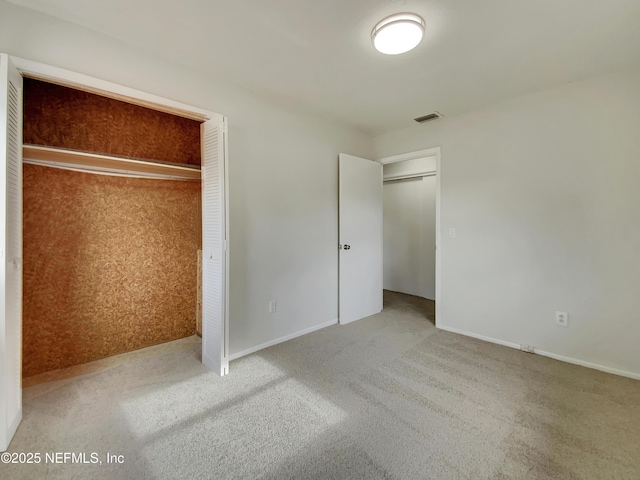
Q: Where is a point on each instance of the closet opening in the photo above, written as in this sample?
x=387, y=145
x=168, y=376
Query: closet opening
x=61, y=214
x=411, y=229
x=112, y=227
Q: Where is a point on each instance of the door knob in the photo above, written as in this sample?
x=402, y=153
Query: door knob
x=347, y=247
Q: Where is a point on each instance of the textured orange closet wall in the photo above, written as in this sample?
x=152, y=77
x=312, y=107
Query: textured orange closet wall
x=63, y=117
x=109, y=265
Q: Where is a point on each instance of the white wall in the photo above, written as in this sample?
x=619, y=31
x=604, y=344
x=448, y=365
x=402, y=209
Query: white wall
x=409, y=228
x=544, y=192
x=283, y=174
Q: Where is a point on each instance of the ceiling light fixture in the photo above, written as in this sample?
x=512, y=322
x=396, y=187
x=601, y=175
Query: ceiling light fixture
x=398, y=33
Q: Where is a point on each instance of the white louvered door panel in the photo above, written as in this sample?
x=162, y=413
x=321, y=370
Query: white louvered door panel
x=214, y=318
x=11, y=249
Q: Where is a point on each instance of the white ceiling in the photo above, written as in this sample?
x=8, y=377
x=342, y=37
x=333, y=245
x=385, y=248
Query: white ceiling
x=318, y=52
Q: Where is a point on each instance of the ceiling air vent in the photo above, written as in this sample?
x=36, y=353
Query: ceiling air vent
x=426, y=118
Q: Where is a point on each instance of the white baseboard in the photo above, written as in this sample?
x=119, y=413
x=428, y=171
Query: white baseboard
x=282, y=339
x=480, y=337
x=562, y=358
x=595, y=366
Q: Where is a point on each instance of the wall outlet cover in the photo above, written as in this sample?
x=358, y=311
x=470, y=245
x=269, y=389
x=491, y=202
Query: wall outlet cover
x=562, y=319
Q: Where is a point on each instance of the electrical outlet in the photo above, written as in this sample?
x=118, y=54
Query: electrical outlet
x=527, y=348
x=562, y=319
x=273, y=306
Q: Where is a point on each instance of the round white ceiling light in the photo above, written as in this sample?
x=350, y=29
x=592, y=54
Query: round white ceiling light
x=398, y=33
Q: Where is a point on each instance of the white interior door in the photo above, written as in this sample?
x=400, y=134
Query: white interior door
x=360, y=193
x=215, y=325
x=10, y=250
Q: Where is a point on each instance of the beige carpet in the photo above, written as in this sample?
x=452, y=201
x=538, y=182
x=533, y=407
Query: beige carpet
x=388, y=397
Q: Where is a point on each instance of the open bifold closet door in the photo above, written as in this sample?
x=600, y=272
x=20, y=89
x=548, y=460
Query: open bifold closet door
x=10, y=250
x=215, y=331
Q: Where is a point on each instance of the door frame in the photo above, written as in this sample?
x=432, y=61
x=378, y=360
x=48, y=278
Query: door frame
x=429, y=152
x=90, y=84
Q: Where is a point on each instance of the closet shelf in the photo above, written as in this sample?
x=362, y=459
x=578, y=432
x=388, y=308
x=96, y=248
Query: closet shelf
x=91, y=162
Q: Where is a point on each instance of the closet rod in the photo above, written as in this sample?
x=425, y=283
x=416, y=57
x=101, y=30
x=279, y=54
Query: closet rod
x=94, y=163
x=406, y=177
